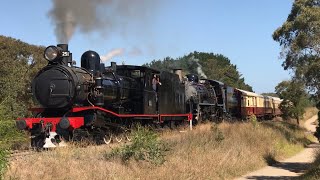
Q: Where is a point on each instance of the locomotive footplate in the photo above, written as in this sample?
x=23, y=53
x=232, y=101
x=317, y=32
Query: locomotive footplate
x=49, y=132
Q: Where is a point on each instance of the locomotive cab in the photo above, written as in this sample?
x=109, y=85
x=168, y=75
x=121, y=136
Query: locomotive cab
x=142, y=96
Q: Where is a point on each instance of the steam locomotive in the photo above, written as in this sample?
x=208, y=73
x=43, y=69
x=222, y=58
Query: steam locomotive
x=103, y=103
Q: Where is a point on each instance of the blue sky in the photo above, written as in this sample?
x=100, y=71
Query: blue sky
x=240, y=30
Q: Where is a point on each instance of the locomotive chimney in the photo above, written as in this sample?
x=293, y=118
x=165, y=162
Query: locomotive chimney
x=114, y=66
x=102, y=68
x=179, y=73
x=66, y=57
x=64, y=47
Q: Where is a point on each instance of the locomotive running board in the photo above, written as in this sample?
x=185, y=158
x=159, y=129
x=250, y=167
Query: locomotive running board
x=158, y=116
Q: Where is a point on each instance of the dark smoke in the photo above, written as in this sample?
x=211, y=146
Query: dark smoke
x=102, y=16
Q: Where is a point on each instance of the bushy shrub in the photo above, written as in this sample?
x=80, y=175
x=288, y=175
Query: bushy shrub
x=11, y=137
x=145, y=146
x=3, y=161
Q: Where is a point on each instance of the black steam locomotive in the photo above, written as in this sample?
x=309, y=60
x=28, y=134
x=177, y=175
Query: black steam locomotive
x=103, y=102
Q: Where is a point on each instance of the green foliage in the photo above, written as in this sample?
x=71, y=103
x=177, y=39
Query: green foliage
x=145, y=146
x=4, y=154
x=295, y=99
x=213, y=66
x=299, y=37
x=19, y=63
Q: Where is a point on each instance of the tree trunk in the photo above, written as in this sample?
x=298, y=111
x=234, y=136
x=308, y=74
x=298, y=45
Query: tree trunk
x=298, y=121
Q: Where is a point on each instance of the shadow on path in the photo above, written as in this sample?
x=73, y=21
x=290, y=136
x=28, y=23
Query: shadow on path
x=271, y=177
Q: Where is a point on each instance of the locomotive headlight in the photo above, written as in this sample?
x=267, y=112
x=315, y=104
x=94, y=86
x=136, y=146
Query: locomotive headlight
x=51, y=53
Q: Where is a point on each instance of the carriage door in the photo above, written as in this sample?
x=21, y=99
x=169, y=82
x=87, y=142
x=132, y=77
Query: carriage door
x=149, y=95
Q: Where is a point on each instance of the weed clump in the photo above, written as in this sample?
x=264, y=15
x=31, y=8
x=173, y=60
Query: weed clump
x=253, y=120
x=145, y=146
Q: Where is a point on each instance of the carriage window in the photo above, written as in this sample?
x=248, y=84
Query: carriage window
x=135, y=74
x=248, y=102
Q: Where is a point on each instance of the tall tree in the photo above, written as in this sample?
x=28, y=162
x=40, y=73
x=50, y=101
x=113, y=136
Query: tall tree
x=299, y=38
x=295, y=98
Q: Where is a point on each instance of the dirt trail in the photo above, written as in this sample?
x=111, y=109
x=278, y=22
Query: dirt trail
x=292, y=167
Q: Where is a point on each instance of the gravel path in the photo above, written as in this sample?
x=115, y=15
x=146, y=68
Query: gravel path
x=292, y=167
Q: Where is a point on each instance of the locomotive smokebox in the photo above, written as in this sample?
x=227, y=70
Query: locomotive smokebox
x=90, y=60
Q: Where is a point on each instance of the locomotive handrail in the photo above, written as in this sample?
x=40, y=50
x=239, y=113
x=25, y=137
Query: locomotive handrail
x=78, y=109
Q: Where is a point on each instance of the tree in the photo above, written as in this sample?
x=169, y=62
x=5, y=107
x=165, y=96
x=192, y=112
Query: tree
x=19, y=64
x=299, y=38
x=206, y=65
x=295, y=99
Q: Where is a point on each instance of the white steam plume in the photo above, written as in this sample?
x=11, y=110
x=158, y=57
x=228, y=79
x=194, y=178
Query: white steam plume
x=111, y=54
x=199, y=68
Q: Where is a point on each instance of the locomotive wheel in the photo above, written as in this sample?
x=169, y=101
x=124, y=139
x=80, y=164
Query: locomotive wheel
x=119, y=137
x=121, y=134
x=128, y=137
x=107, y=138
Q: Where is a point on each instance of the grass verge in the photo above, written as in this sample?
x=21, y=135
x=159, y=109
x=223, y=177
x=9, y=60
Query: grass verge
x=209, y=151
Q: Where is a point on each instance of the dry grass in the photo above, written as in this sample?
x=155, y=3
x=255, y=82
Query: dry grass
x=208, y=152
